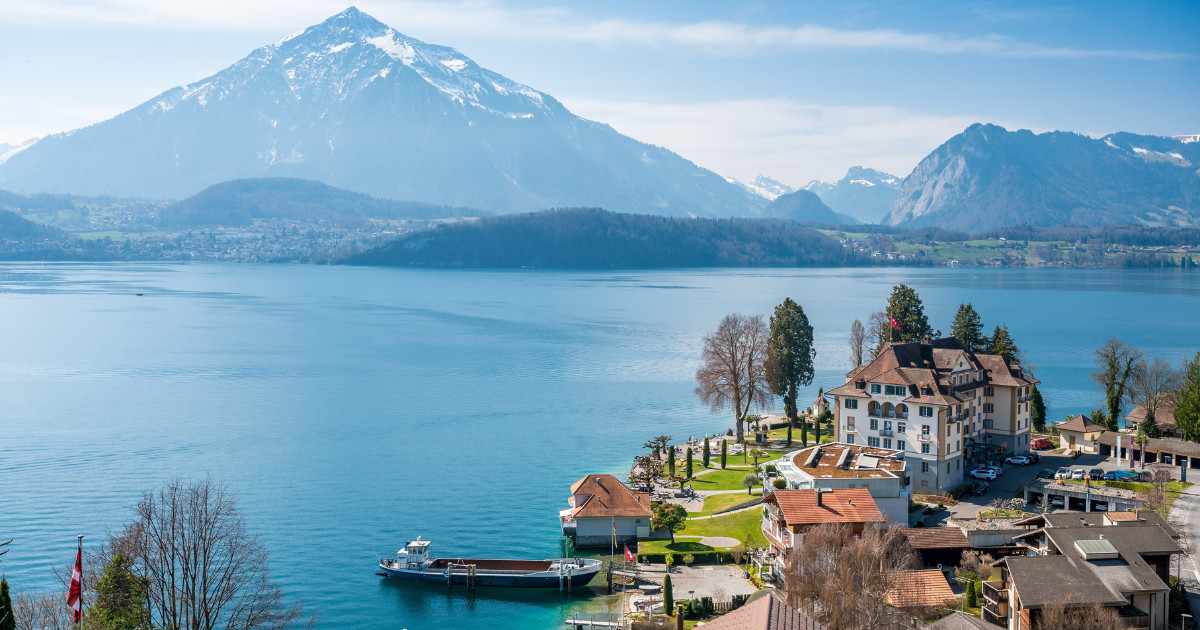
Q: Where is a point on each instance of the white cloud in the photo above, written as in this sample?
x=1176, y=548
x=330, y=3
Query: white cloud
x=485, y=18
x=791, y=141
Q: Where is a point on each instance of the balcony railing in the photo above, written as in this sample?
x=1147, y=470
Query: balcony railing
x=879, y=414
x=925, y=437
x=886, y=432
x=1022, y=399
x=850, y=428
x=991, y=614
x=994, y=591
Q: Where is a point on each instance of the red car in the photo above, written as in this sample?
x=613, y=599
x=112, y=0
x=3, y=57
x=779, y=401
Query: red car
x=1040, y=444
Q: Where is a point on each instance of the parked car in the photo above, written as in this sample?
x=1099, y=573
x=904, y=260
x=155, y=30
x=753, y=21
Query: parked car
x=1096, y=474
x=1039, y=444
x=1019, y=460
x=984, y=473
x=1056, y=501
x=1122, y=475
x=998, y=470
x=1046, y=473
x=1033, y=457
x=1063, y=473
x=979, y=488
x=1099, y=506
x=1079, y=474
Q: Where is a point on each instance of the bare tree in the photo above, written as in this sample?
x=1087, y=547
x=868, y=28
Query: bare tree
x=858, y=336
x=843, y=579
x=205, y=570
x=1063, y=616
x=42, y=611
x=1116, y=362
x=1153, y=384
x=879, y=332
x=1155, y=497
x=733, y=373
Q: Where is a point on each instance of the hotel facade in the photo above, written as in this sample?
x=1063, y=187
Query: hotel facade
x=947, y=409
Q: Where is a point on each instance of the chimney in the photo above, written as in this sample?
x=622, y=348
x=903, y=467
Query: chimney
x=819, y=502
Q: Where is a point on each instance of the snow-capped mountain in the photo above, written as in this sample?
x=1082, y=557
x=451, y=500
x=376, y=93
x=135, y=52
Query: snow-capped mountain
x=9, y=150
x=768, y=187
x=988, y=176
x=353, y=103
x=864, y=193
x=1195, y=137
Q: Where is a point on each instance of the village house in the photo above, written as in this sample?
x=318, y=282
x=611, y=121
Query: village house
x=768, y=611
x=920, y=590
x=1118, y=560
x=945, y=407
x=1079, y=434
x=603, y=511
x=836, y=465
x=1164, y=417
x=788, y=514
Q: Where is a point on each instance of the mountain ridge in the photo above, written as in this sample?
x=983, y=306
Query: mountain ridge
x=353, y=103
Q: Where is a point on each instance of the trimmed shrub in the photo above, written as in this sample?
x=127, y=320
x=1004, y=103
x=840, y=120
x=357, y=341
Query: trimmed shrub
x=779, y=483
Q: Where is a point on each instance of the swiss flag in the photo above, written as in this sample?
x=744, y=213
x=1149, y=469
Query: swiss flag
x=894, y=324
x=75, y=596
x=629, y=554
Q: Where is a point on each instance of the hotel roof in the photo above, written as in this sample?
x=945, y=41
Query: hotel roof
x=838, y=460
x=605, y=496
x=840, y=505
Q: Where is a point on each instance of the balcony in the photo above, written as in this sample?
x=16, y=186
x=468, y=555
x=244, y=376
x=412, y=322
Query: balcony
x=1022, y=399
x=850, y=428
x=925, y=437
x=886, y=432
x=993, y=590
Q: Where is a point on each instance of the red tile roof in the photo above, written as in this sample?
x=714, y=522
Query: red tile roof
x=1080, y=423
x=605, y=496
x=920, y=589
x=769, y=612
x=937, y=538
x=840, y=505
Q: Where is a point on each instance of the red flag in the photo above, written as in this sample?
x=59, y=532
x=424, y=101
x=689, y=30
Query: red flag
x=894, y=324
x=74, y=596
x=629, y=555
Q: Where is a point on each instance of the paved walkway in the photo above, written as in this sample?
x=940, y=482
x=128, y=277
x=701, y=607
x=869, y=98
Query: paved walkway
x=1185, y=516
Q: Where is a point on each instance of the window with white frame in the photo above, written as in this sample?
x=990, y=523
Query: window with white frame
x=874, y=388
x=900, y=445
x=924, y=467
x=925, y=448
x=926, y=412
x=851, y=403
x=873, y=442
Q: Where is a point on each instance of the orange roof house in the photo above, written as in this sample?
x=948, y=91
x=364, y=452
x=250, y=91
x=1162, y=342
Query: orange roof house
x=600, y=504
x=787, y=514
x=922, y=588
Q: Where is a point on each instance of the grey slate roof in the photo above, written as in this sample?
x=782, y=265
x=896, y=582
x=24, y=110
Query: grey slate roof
x=962, y=621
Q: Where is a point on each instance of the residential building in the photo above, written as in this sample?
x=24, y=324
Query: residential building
x=1164, y=417
x=832, y=466
x=948, y=409
x=1079, y=434
x=603, y=511
x=768, y=611
x=938, y=546
x=1118, y=560
x=788, y=514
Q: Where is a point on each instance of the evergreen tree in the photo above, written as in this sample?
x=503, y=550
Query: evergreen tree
x=790, y=355
x=724, y=449
x=972, y=598
x=706, y=455
x=788, y=412
x=1037, y=410
x=688, y=463
x=668, y=596
x=1187, y=406
x=8, y=619
x=905, y=307
x=967, y=328
x=121, y=598
x=1149, y=426
x=670, y=461
x=1001, y=343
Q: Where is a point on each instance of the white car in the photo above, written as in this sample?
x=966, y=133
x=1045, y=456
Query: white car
x=996, y=469
x=1020, y=460
x=1079, y=474
x=984, y=473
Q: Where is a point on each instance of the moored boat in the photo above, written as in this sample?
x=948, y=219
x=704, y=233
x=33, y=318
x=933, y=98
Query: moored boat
x=413, y=563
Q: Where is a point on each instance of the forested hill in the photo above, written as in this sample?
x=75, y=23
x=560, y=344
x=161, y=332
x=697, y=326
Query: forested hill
x=593, y=238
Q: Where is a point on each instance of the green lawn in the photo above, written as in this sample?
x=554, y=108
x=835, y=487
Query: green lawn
x=741, y=525
x=718, y=502
x=679, y=548
x=728, y=479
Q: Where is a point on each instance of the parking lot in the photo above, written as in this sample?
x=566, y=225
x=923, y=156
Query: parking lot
x=1014, y=478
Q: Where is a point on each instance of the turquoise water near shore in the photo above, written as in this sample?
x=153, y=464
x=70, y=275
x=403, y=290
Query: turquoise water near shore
x=353, y=408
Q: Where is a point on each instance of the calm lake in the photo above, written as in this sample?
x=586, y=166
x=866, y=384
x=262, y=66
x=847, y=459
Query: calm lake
x=351, y=409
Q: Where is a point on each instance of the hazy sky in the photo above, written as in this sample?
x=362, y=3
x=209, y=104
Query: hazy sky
x=796, y=90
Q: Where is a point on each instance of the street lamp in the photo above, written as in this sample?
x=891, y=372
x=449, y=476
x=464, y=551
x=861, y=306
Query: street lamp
x=1183, y=621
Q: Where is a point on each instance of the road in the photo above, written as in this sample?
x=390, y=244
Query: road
x=1185, y=516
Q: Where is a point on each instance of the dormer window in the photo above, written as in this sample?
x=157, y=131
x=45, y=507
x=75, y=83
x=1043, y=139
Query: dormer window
x=860, y=384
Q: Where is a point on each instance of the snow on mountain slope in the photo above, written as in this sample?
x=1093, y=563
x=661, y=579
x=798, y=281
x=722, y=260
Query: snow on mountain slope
x=354, y=103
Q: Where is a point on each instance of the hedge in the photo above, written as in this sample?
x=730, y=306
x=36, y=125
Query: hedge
x=702, y=557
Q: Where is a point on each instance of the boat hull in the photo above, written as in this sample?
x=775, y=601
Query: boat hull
x=580, y=575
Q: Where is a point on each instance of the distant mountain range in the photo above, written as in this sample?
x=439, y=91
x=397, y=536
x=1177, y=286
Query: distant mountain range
x=353, y=103
x=768, y=188
x=865, y=194
x=237, y=203
x=593, y=238
x=988, y=177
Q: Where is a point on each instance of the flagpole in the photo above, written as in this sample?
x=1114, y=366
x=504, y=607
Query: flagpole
x=80, y=622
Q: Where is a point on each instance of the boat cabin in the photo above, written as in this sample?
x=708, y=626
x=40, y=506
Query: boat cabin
x=414, y=553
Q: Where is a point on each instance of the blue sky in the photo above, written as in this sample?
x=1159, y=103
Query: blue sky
x=796, y=90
